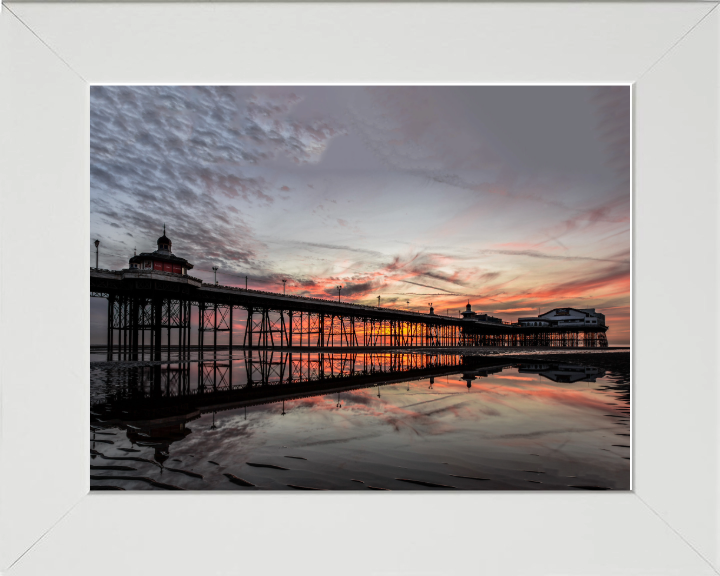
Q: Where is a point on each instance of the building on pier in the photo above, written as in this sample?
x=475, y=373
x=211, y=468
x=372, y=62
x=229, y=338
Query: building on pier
x=470, y=315
x=154, y=304
x=565, y=317
x=162, y=260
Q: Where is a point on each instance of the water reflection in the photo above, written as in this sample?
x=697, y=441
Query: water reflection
x=353, y=421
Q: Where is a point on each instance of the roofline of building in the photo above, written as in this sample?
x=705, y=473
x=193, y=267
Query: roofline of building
x=167, y=258
x=563, y=308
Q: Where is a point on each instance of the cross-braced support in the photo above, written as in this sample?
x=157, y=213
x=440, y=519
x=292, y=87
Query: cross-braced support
x=214, y=318
x=214, y=376
x=267, y=328
x=150, y=320
x=135, y=326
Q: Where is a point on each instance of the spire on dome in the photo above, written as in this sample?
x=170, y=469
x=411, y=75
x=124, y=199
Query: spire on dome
x=164, y=243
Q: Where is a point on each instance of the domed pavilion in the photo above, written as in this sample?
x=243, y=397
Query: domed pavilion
x=162, y=260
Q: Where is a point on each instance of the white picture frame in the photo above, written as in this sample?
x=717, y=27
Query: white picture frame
x=50, y=53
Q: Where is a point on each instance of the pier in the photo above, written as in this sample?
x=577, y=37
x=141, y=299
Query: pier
x=142, y=305
x=151, y=305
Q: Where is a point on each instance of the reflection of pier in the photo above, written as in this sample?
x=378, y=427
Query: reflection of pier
x=171, y=390
x=154, y=403
x=563, y=373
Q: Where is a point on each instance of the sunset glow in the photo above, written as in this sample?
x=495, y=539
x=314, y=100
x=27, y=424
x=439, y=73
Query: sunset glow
x=515, y=199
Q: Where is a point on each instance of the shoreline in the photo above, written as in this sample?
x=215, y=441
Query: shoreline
x=615, y=359
x=367, y=349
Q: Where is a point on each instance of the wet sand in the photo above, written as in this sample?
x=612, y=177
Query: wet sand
x=513, y=429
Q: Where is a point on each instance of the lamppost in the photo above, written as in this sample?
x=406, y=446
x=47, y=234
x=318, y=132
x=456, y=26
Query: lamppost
x=431, y=307
x=408, y=304
x=246, y=282
x=378, y=301
x=97, y=243
x=284, y=287
x=215, y=269
x=338, y=289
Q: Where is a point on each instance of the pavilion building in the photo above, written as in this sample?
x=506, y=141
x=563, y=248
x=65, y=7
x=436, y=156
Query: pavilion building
x=569, y=317
x=162, y=260
x=469, y=314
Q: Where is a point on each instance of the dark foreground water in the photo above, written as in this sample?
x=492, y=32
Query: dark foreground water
x=391, y=421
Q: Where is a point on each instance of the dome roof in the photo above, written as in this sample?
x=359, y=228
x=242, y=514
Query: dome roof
x=164, y=239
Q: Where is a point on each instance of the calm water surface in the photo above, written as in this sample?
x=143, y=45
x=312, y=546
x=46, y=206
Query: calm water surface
x=353, y=422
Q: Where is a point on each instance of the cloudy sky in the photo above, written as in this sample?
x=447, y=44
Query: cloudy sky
x=516, y=198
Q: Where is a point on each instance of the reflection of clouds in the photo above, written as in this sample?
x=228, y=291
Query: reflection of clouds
x=338, y=440
x=499, y=421
x=538, y=393
x=503, y=397
x=454, y=409
x=363, y=407
x=541, y=433
x=234, y=437
x=351, y=398
x=432, y=400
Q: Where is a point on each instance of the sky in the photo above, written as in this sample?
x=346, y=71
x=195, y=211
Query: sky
x=514, y=198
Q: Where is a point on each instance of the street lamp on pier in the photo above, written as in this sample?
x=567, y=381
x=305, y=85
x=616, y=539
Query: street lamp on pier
x=215, y=269
x=284, y=286
x=97, y=243
x=378, y=301
x=338, y=289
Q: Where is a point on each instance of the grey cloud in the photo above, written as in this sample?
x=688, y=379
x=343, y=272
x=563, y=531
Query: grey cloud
x=340, y=247
x=538, y=254
x=428, y=286
x=358, y=288
x=613, y=123
x=164, y=154
x=534, y=144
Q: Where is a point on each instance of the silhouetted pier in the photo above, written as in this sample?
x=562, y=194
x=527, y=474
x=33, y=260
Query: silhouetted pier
x=145, y=304
x=158, y=391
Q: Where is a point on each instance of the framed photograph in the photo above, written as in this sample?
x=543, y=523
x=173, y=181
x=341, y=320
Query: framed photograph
x=369, y=288
x=350, y=247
